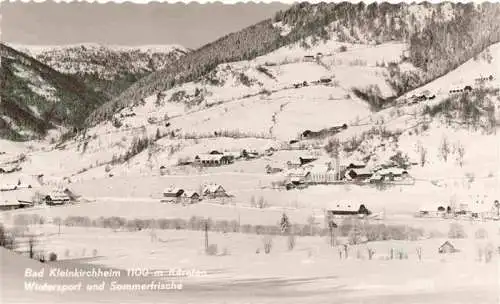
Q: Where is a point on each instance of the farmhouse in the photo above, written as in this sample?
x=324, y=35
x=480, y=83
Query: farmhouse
x=358, y=174
x=389, y=174
x=307, y=134
x=56, y=197
x=433, y=210
x=356, y=165
x=191, y=197
x=11, y=205
x=210, y=160
x=346, y=208
x=309, y=58
x=233, y=154
x=271, y=170
x=447, y=247
x=249, y=154
x=292, y=165
x=9, y=168
x=172, y=195
x=214, y=191
x=307, y=159
x=8, y=187
x=325, y=79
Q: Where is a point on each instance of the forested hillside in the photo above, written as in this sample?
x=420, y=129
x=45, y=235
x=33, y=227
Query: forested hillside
x=107, y=69
x=36, y=98
x=440, y=37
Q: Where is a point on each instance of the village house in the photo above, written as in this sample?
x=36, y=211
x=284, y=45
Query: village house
x=292, y=165
x=355, y=165
x=232, y=154
x=214, y=191
x=325, y=79
x=172, y=195
x=211, y=160
x=389, y=174
x=358, y=174
x=247, y=154
x=346, y=208
x=272, y=169
x=309, y=58
x=447, y=247
x=56, y=197
x=12, y=205
x=307, y=159
x=191, y=197
x=9, y=168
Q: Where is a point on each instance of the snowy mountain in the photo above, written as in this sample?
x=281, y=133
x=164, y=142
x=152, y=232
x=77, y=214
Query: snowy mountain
x=36, y=98
x=439, y=37
x=109, y=69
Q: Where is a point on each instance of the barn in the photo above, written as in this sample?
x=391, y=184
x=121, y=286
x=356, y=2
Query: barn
x=358, y=174
x=447, y=247
x=191, y=197
x=56, y=198
x=210, y=160
x=214, y=191
x=172, y=195
x=345, y=208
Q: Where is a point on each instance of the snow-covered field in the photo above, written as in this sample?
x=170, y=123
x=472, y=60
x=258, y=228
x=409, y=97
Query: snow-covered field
x=241, y=275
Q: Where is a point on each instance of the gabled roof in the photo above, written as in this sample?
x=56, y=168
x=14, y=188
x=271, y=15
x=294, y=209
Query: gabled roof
x=212, y=188
x=190, y=193
x=297, y=172
x=393, y=170
x=58, y=195
x=321, y=169
x=172, y=190
x=360, y=171
x=447, y=243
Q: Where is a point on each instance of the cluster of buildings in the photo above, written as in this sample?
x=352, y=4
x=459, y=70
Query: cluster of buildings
x=473, y=207
x=312, y=170
x=481, y=80
x=24, y=196
x=177, y=195
x=217, y=158
x=466, y=89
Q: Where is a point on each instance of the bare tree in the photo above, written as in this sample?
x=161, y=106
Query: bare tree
x=444, y=148
x=422, y=151
x=419, y=253
x=291, y=241
x=371, y=252
x=268, y=244
x=460, y=150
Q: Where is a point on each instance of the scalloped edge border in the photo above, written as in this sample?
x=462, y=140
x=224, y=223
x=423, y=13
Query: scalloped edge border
x=232, y=2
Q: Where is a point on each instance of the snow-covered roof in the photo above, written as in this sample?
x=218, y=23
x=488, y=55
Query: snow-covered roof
x=212, y=188
x=210, y=157
x=343, y=206
x=393, y=170
x=8, y=187
x=360, y=171
x=172, y=190
x=190, y=193
x=430, y=207
x=297, y=172
x=58, y=195
x=321, y=169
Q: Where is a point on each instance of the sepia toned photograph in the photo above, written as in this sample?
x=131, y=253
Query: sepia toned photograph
x=281, y=152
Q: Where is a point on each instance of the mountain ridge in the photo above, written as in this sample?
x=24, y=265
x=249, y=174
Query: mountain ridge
x=347, y=21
